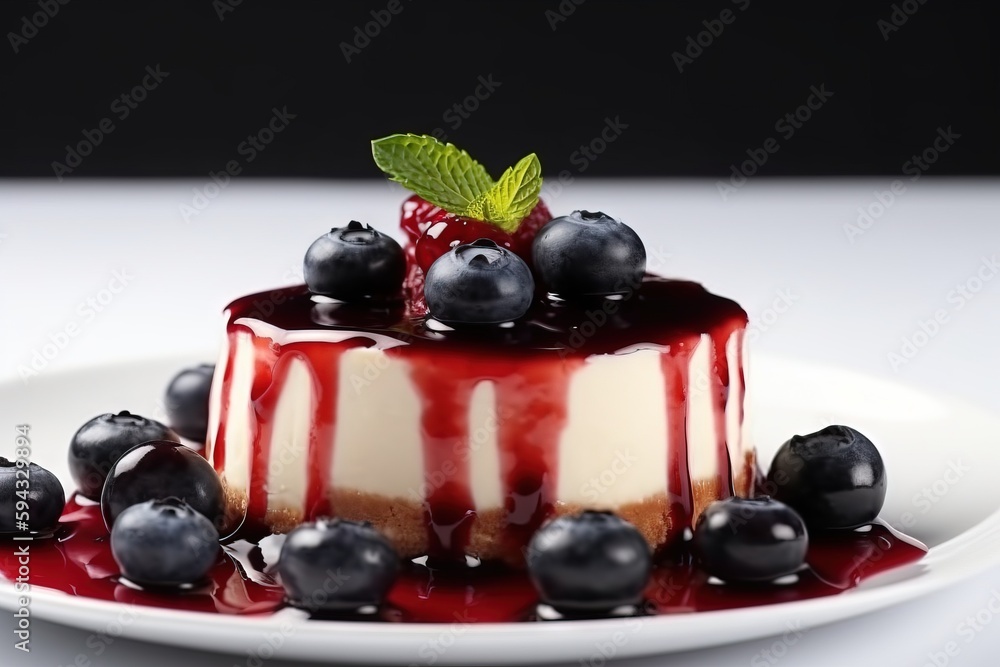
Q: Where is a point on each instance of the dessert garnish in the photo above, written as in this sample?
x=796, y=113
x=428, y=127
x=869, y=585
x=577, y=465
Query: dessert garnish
x=449, y=178
x=31, y=498
x=592, y=562
x=186, y=402
x=834, y=478
x=354, y=263
x=163, y=469
x=164, y=543
x=457, y=202
x=581, y=254
x=750, y=539
x=478, y=283
x=588, y=254
x=100, y=442
x=334, y=565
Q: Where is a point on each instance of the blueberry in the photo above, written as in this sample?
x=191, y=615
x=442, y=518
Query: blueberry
x=744, y=539
x=336, y=565
x=588, y=254
x=834, y=478
x=101, y=441
x=591, y=562
x=355, y=262
x=164, y=543
x=158, y=470
x=478, y=283
x=37, y=487
x=187, y=402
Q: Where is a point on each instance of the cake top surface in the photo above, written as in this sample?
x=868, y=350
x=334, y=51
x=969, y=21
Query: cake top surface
x=661, y=313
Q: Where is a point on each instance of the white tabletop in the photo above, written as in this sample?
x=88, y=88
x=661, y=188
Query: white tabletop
x=99, y=271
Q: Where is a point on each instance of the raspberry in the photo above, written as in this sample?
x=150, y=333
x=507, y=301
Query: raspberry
x=441, y=233
x=528, y=228
x=418, y=215
x=413, y=285
x=452, y=231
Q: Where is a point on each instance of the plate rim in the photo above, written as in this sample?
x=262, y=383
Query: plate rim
x=401, y=640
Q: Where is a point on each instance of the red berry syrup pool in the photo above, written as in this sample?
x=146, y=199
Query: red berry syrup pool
x=77, y=560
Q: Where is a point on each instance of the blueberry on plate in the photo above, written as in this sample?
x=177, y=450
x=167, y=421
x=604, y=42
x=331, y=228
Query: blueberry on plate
x=834, y=478
x=100, y=442
x=588, y=254
x=478, y=283
x=592, y=562
x=186, y=401
x=164, y=543
x=159, y=470
x=40, y=492
x=750, y=540
x=336, y=565
x=355, y=262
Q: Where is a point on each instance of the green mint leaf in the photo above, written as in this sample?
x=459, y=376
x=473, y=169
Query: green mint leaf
x=512, y=198
x=440, y=173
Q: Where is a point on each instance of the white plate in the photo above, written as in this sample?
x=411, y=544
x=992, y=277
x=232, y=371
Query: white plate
x=941, y=457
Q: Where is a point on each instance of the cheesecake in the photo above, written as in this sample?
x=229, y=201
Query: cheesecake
x=458, y=442
x=457, y=435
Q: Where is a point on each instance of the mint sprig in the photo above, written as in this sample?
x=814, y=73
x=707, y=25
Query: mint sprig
x=511, y=199
x=448, y=177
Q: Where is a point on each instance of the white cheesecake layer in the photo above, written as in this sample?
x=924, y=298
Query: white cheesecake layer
x=286, y=481
x=377, y=447
x=611, y=452
x=239, y=415
x=613, y=449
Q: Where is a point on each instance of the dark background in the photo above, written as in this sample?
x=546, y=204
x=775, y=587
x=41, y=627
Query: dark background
x=228, y=69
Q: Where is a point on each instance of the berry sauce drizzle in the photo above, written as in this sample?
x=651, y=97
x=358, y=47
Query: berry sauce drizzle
x=675, y=366
x=529, y=364
x=77, y=561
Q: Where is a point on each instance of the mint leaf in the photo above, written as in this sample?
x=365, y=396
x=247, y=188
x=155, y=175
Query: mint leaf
x=513, y=197
x=448, y=177
x=440, y=173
